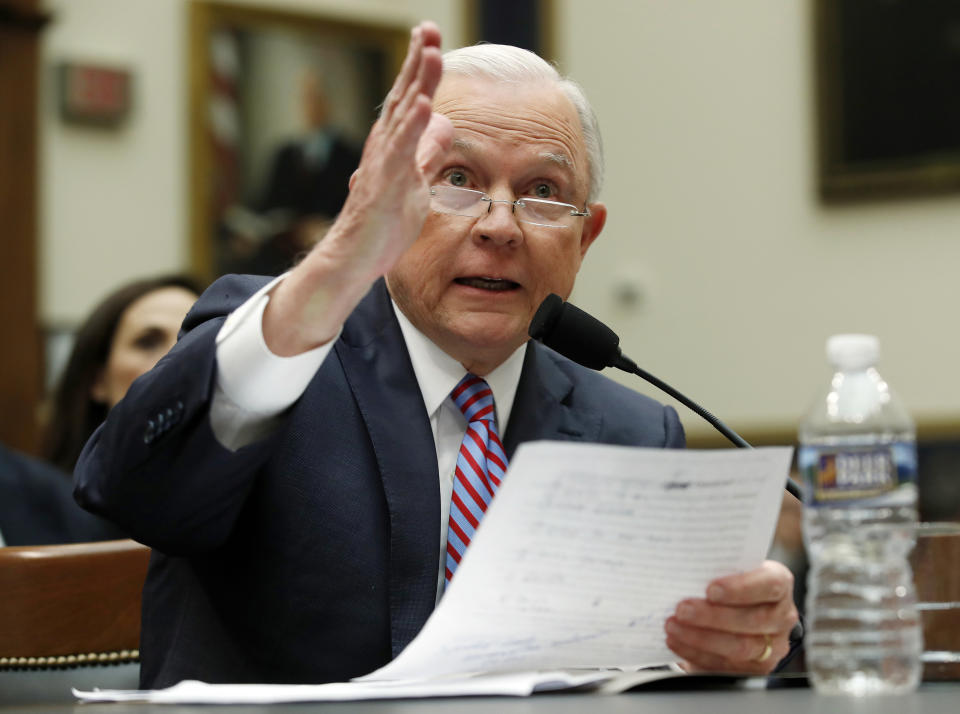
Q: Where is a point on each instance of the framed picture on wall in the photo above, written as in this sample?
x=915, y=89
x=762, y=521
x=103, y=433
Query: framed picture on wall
x=281, y=103
x=888, y=76
x=529, y=24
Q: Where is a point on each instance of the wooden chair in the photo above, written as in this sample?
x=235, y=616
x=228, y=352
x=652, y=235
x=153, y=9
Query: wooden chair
x=66, y=611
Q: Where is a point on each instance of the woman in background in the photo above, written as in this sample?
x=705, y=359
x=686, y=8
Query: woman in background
x=123, y=337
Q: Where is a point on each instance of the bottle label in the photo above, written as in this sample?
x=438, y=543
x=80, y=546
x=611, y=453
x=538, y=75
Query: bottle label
x=868, y=472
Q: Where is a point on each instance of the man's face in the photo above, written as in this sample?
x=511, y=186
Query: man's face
x=473, y=284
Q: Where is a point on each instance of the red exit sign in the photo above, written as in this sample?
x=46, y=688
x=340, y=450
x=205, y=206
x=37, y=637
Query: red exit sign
x=92, y=94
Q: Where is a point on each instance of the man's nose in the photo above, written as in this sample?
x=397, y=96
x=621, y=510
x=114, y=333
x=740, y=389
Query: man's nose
x=499, y=223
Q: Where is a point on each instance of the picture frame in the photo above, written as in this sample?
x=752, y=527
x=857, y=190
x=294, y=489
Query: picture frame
x=888, y=98
x=530, y=24
x=280, y=104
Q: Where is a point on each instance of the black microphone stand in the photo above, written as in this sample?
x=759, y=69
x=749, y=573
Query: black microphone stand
x=587, y=341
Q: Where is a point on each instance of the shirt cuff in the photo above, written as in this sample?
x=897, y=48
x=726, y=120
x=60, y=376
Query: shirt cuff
x=253, y=384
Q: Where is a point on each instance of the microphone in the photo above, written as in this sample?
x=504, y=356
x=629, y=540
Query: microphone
x=581, y=337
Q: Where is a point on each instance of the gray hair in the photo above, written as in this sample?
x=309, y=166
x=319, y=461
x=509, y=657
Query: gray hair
x=506, y=63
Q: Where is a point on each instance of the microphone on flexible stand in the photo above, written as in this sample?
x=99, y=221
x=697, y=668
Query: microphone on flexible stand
x=581, y=337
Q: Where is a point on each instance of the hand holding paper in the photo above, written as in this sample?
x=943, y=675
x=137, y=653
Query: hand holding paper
x=587, y=550
x=579, y=562
x=743, y=625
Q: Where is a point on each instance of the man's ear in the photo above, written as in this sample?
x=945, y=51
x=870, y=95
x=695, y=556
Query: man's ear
x=592, y=225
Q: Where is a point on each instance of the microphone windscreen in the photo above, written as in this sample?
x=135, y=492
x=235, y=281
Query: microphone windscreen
x=546, y=316
x=575, y=334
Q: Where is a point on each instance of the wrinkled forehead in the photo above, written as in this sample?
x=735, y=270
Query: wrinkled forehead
x=536, y=116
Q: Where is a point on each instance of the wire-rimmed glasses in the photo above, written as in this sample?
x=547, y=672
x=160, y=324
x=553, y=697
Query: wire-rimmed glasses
x=457, y=201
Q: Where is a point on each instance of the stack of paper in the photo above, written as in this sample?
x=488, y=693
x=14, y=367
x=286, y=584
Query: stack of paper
x=582, y=556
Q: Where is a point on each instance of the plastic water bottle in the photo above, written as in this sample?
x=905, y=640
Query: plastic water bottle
x=859, y=462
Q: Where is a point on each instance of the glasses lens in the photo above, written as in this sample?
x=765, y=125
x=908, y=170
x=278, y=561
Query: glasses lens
x=545, y=213
x=457, y=201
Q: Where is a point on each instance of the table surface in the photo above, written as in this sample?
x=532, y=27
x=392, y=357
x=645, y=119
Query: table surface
x=931, y=698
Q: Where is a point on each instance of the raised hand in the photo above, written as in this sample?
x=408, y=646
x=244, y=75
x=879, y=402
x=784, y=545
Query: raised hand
x=743, y=625
x=386, y=209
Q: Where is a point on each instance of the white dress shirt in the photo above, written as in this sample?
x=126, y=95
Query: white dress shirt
x=254, y=386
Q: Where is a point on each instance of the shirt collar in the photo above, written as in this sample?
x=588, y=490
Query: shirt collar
x=438, y=373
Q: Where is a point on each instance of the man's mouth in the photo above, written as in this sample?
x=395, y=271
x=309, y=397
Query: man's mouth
x=494, y=284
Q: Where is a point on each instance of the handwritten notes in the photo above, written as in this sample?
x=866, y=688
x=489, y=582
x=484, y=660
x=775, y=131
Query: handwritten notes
x=586, y=551
x=582, y=556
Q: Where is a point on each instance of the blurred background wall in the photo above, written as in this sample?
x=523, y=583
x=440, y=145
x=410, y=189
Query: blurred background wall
x=720, y=267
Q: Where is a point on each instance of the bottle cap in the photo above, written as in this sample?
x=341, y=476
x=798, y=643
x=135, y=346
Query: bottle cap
x=853, y=351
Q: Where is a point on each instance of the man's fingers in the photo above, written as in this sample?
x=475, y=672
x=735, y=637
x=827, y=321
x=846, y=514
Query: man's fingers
x=413, y=110
x=737, y=648
x=762, y=619
x=732, y=628
x=392, y=147
x=708, y=649
x=771, y=582
x=420, y=72
x=407, y=72
x=430, y=33
x=431, y=69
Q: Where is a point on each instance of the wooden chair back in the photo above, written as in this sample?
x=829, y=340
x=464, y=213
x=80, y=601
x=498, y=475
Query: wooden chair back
x=70, y=605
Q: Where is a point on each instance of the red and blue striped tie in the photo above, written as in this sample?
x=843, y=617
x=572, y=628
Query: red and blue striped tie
x=481, y=465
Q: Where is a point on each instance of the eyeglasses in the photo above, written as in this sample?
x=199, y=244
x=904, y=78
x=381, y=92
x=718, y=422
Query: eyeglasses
x=456, y=201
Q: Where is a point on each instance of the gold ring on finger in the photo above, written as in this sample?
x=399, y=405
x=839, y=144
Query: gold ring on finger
x=767, y=650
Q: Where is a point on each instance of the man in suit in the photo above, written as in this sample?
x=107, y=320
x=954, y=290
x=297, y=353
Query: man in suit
x=306, y=185
x=308, y=175
x=290, y=460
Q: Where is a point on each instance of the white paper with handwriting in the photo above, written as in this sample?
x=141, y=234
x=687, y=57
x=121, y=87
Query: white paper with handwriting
x=581, y=557
x=586, y=551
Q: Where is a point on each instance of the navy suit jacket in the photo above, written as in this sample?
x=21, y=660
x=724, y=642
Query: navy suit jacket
x=311, y=555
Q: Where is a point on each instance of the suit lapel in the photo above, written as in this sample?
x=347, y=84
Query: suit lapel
x=544, y=405
x=377, y=366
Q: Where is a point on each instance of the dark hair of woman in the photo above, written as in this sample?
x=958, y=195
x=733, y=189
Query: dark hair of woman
x=74, y=414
